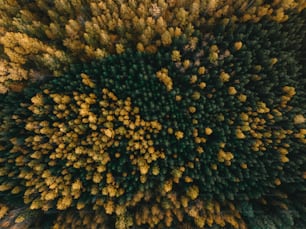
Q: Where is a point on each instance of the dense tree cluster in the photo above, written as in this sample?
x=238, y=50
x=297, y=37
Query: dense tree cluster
x=206, y=131
x=44, y=37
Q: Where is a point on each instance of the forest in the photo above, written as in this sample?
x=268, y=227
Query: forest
x=178, y=114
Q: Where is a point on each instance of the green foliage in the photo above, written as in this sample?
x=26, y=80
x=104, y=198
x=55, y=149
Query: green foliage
x=214, y=117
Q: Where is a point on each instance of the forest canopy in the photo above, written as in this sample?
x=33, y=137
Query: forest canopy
x=152, y=114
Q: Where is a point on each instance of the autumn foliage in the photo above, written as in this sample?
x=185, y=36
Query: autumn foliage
x=152, y=114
